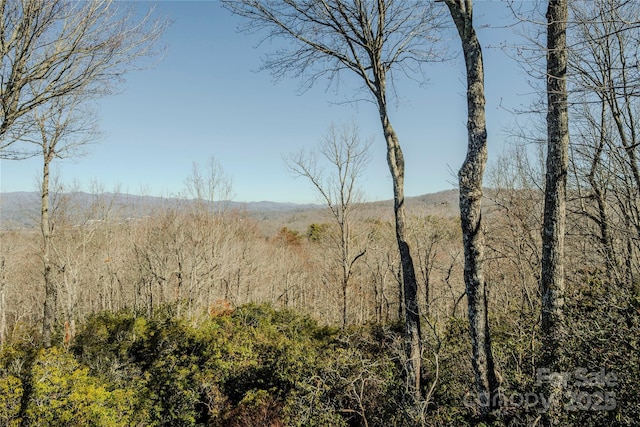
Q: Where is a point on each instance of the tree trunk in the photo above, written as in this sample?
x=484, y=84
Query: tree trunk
x=599, y=192
x=50, y=288
x=395, y=161
x=3, y=302
x=552, y=284
x=345, y=283
x=344, y=248
x=470, y=182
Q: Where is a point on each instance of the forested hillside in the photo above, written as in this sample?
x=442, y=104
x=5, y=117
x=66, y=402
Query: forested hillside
x=153, y=326
x=511, y=300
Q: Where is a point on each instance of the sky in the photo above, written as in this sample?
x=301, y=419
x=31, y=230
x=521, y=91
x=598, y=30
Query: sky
x=206, y=98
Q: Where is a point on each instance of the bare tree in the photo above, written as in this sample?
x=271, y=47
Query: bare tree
x=83, y=252
x=470, y=183
x=606, y=145
x=66, y=48
x=372, y=39
x=348, y=156
x=210, y=185
x=62, y=130
x=56, y=55
x=514, y=235
x=209, y=231
x=552, y=281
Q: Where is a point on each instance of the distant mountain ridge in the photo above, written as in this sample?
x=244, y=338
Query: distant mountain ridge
x=22, y=209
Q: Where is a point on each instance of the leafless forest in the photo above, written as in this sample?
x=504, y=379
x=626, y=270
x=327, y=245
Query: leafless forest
x=198, y=254
x=512, y=300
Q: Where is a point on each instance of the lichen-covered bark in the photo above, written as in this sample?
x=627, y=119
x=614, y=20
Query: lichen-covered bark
x=470, y=182
x=395, y=160
x=552, y=284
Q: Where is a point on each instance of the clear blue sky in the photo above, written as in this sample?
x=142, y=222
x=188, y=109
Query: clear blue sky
x=205, y=98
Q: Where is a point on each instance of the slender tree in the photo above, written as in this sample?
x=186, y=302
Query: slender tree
x=552, y=281
x=371, y=39
x=347, y=156
x=62, y=131
x=470, y=183
x=4, y=248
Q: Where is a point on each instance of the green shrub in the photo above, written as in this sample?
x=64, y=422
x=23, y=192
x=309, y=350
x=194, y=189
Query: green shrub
x=253, y=366
x=10, y=396
x=64, y=393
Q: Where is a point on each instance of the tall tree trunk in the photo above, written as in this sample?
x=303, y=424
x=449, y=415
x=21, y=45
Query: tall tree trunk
x=470, y=182
x=50, y=288
x=3, y=305
x=395, y=160
x=552, y=285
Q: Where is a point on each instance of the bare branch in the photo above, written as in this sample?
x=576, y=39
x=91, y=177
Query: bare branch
x=54, y=48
